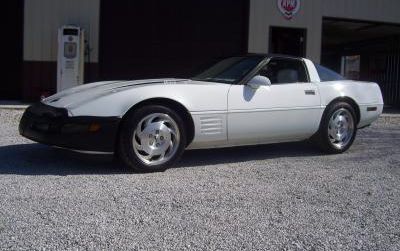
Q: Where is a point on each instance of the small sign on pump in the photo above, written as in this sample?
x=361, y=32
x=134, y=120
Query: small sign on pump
x=70, y=62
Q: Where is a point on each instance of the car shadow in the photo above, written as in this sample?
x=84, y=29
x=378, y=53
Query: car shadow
x=37, y=159
x=193, y=158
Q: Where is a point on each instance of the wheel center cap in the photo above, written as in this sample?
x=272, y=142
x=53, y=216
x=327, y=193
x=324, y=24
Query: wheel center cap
x=159, y=137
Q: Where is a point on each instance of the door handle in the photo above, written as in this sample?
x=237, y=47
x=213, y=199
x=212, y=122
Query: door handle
x=309, y=92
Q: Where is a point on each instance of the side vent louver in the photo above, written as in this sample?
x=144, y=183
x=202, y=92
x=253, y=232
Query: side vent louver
x=211, y=125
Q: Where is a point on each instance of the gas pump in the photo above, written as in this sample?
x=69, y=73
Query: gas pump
x=70, y=61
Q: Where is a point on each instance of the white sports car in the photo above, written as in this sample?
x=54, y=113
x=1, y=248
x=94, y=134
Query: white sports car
x=254, y=99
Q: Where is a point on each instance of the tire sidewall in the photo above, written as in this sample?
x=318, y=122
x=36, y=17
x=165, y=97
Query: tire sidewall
x=126, y=150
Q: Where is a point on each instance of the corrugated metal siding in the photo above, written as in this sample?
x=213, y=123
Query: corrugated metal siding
x=43, y=18
x=265, y=13
x=389, y=79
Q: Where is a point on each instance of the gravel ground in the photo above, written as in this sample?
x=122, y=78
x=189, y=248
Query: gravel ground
x=286, y=196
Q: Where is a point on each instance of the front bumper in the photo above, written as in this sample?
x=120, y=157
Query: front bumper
x=52, y=126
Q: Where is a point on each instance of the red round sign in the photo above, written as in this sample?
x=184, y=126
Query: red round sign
x=289, y=7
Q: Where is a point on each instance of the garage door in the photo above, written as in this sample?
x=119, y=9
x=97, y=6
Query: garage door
x=156, y=38
x=10, y=86
x=367, y=51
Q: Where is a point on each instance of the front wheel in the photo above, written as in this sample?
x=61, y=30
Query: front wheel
x=151, y=138
x=338, y=128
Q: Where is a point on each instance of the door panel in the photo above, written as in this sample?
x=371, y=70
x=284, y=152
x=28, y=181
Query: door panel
x=272, y=113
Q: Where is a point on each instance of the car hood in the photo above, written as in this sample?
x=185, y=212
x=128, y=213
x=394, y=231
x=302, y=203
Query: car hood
x=87, y=92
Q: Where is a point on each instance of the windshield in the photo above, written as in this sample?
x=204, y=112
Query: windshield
x=230, y=70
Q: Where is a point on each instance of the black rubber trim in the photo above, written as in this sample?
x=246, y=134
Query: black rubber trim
x=52, y=126
x=364, y=127
x=151, y=83
x=372, y=109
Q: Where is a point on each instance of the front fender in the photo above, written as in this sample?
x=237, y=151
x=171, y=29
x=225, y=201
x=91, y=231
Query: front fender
x=194, y=97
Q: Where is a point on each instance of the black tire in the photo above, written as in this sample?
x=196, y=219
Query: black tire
x=322, y=137
x=125, y=145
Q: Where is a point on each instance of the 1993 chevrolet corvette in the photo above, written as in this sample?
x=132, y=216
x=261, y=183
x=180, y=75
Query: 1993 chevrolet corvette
x=254, y=99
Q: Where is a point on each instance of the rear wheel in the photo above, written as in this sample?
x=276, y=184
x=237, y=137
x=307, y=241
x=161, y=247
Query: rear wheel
x=151, y=138
x=338, y=128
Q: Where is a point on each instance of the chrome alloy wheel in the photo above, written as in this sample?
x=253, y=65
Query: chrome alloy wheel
x=156, y=139
x=341, y=128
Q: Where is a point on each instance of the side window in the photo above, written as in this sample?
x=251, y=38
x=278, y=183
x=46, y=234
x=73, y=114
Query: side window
x=285, y=71
x=326, y=74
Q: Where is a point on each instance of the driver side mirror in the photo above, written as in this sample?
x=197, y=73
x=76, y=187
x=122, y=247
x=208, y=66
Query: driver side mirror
x=258, y=81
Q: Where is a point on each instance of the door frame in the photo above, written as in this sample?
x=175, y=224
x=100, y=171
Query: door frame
x=304, y=30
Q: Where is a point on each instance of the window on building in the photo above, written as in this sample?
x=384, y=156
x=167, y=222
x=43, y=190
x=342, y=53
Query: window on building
x=351, y=67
